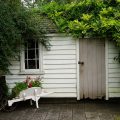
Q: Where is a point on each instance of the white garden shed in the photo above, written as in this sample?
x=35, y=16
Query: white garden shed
x=83, y=68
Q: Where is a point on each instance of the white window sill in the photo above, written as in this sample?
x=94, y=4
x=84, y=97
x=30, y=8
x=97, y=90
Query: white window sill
x=31, y=73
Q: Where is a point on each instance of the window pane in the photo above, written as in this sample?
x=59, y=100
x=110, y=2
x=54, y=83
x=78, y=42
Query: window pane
x=26, y=66
x=31, y=64
x=37, y=64
x=31, y=54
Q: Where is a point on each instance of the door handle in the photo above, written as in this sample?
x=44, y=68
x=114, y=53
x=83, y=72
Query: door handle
x=81, y=62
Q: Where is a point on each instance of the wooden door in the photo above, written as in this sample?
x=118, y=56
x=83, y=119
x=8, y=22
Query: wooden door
x=92, y=68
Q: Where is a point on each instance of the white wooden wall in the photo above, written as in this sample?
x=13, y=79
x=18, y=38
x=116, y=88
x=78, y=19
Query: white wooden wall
x=113, y=72
x=59, y=65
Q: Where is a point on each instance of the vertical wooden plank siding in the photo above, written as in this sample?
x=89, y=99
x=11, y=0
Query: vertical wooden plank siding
x=92, y=72
x=103, y=70
x=106, y=68
x=59, y=67
x=78, y=69
x=113, y=72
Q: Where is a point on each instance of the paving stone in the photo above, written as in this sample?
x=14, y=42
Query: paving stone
x=95, y=110
x=79, y=116
x=65, y=112
x=106, y=116
x=92, y=116
x=97, y=118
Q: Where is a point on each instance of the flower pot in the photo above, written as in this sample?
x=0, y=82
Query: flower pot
x=30, y=92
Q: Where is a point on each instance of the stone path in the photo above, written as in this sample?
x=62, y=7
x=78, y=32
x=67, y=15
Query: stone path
x=66, y=110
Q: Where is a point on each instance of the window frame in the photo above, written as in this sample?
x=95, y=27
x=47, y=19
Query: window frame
x=31, y=71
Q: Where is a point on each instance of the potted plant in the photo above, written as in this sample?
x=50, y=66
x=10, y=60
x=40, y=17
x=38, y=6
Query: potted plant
x=29, y=84
x=30, y=89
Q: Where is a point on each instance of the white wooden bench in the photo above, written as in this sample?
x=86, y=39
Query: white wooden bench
x=33, y=93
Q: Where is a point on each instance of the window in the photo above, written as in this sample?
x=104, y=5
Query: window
x=31, y=57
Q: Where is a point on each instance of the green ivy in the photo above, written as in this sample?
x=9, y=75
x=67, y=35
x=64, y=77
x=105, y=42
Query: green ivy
x=17, y=26
x=91, y=18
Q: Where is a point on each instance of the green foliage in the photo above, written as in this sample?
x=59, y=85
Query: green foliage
x=9, y=36
x=28, y=83
x=36, y=84
x=17, y=26
x=91, y=18
x=18, y=87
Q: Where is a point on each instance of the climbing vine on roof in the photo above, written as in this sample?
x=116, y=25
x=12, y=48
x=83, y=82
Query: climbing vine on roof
x=91, y=18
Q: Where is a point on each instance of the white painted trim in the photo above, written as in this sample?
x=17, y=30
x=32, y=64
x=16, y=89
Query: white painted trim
x=64, y=34
x=78, y=71
x=31, y=71
x=106, y=68
x=58, y=35
x=41, y=58
x=22, y=67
